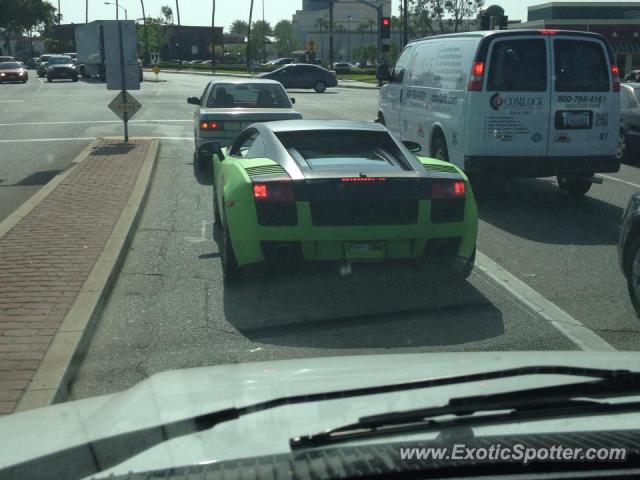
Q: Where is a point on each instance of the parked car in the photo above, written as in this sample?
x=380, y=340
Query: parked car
x=302, y=75
x=629, y=120
x=13, y=72
x=61, y=67
x=228, y=106
x=505, y=107
x=629, y=249
x=6, y=58
x=343, y=67
x=297, y=182
x=632, y=76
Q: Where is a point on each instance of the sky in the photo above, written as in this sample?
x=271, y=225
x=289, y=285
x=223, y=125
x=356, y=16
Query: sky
x=198, y=12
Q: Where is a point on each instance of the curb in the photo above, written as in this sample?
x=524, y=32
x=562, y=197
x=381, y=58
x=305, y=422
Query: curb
x=195, y=72
x=51, y=382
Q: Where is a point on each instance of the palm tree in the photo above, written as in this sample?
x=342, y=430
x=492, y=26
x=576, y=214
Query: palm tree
x=249, y=36
x=322, y=23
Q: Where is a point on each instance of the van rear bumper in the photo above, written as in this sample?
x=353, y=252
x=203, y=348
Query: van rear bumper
x=541, y=166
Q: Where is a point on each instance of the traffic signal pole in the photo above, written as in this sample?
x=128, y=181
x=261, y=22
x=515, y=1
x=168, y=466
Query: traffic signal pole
x=331, y=34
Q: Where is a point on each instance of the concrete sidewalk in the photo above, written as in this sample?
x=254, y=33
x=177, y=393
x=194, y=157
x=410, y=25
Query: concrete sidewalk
x=341, y=83
x=59, y=253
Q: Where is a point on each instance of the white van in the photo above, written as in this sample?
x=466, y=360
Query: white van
x=526, y=103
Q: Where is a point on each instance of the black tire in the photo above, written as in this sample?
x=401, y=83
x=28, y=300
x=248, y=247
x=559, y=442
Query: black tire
x=320, y=86
x=75, y=79
x=633, y=274
x=439, y=148
x=216, y=212
x=203, y=163
x=574, y=186
x=468, y=268
x=380, y=118
x=230, y=269
x=623, y=144
x=24, y=81
x=49, y=79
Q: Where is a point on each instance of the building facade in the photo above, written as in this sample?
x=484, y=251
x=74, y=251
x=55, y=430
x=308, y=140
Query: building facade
x=618, y=22
x=355, y=25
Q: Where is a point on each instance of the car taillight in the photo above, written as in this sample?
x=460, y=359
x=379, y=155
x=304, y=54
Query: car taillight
x=442, y=190
x=477, y=77
x=615, y=76
x=210, y=125
x=274, y=192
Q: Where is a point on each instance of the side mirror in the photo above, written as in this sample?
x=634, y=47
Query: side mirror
x=293, y=100
x=383, y=73
x=210, y=149
x=413, y=147
x=193, y=100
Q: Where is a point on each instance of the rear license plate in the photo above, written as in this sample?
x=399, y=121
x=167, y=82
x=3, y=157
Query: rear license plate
x=574, y=120
x=364, y=250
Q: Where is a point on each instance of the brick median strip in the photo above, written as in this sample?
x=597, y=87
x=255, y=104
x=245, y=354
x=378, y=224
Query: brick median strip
x=57, y=256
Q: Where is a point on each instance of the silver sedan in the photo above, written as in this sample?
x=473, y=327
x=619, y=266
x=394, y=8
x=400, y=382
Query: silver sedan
x=226, y=107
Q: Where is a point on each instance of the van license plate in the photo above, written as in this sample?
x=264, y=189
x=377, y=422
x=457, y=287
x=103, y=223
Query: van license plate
x=576, y=120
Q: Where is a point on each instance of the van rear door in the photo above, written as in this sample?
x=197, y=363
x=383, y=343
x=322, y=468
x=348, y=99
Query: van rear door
x=584, y=117
x=510, y=116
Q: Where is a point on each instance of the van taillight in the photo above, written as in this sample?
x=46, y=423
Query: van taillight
x=477, y=77
x=615, y=77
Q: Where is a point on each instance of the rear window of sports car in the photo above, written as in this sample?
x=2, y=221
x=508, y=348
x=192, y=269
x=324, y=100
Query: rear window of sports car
x=340, y=148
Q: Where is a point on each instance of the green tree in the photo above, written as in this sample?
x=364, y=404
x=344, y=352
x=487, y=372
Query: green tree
x=260, y=30
x=239, y=27
x=461, y=9
x=361, y=28
x=167, y=15
x=20, y=16
x=248, y=55
x=156, y=31
x=285, y=38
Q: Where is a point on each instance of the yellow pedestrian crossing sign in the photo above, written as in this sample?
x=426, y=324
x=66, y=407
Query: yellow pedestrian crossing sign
x=311, y=46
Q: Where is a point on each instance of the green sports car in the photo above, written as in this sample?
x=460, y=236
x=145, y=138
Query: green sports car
x=304, y=190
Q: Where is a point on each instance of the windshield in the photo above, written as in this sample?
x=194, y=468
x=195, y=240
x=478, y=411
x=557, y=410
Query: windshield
x=244, y=205
x=10, y=65
x=247, y=95
x=59, y=60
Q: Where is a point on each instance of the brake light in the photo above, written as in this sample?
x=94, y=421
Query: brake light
x=477, y=77
x=547, y=31
x=208, y=125
x=441, y=190
x=274, y=192
x=615, y=77
x=363, y=179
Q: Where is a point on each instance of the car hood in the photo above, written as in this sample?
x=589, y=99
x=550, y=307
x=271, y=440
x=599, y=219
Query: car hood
x=249, y=114
x=178, y=395
x=13, y=70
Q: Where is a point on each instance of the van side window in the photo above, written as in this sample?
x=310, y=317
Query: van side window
x=518, y=66
x=581, y=66
x=422, y=68
x=401, y=64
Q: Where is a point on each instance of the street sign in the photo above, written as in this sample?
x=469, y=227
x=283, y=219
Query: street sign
x=312, y=46
x=119, y=106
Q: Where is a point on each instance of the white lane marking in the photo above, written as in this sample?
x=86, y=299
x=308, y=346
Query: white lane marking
x=634, y=185
x=76, y=122
x=79, y=139
x=12, y=101
x=573, y=329
x=203, y=234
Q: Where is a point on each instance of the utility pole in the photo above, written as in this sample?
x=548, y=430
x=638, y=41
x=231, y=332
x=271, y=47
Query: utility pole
x=331, y=34
x=146, y=35
x=86, y=11
x=117, y=10
x=213, y=36
x=249, y=37
x=178, y=35
x=405, y=23
x=264, y=37
x=59, y=13
x=349, y=38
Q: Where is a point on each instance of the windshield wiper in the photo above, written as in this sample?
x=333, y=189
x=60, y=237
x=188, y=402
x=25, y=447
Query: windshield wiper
x=95, y=456
x=558, y=401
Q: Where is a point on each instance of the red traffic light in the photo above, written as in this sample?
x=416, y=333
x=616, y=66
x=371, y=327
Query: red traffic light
x=385, y=28
x=386, y=21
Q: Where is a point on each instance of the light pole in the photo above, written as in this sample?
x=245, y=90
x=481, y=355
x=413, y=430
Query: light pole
x=146, y=35
x=349, y=38
x=117, y=7
x=178, y=35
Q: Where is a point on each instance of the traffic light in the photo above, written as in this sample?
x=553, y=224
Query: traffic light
x=385, y=28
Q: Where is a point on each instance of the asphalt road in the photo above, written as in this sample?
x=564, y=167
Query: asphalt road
x=169, y=308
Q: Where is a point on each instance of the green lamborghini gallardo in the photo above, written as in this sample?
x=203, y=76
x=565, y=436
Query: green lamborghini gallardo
x=305, y=190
